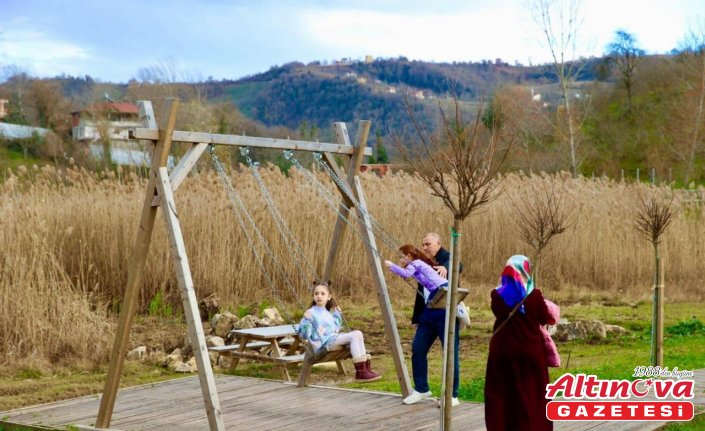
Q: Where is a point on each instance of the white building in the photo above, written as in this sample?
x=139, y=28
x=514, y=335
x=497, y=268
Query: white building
x=114, y=119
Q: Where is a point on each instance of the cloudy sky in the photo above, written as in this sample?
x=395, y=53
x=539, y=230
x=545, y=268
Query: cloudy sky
x=111, y=40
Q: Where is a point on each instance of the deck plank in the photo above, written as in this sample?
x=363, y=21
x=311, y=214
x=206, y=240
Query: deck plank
x=249, y=403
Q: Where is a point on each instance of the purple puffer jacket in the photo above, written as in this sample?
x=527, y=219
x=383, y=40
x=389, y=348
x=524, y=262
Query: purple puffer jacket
x=423, y=273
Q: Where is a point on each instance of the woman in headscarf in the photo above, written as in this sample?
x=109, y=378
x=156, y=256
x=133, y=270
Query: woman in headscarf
x=517, y=373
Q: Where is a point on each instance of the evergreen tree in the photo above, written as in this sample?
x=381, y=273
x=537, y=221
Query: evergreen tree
x=380, y=150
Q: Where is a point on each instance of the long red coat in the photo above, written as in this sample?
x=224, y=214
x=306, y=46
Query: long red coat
x=515, y=383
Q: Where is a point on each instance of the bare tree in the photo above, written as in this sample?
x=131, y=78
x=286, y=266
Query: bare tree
x=104, y=128
x=652, y=220
x=560, y=22
x=541, y=213
x=160, y=81
x=624, y=53
x=459, y=163
x=166, y=71
x=522, y=116
x=16, y=80
x=693, y=59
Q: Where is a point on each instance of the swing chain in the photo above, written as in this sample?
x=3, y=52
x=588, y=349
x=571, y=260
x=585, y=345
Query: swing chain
x=384, y=235
x=236, y=202
x=335, y=205
x=282, y=226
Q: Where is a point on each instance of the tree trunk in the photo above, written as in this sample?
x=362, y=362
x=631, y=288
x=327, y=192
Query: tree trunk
x=697, y=123
x=657, y=318
x=571, y=131
x=535, y=268
x=450, y=334
x=107, y=154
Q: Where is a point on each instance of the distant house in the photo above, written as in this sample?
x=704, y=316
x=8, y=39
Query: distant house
x=368, y=59
x=114, y=118
x=419, y=94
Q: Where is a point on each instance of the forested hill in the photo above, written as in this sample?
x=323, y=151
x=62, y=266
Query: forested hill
x=320, y=94
x=649, y=118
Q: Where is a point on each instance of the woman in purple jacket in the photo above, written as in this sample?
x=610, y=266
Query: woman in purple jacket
x=417, y=264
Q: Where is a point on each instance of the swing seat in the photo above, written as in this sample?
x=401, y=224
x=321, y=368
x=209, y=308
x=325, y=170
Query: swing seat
x=326, y=354
x=439, y=300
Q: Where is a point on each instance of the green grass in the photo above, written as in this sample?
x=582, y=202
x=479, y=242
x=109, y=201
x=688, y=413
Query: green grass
x=7, y=426
x=12, y=159
x=25, y=388
x=608, y=360
x=614, y=357
x=159, y=307
x=697, y=424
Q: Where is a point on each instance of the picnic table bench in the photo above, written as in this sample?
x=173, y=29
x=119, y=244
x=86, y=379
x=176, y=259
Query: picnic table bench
x=274, y=344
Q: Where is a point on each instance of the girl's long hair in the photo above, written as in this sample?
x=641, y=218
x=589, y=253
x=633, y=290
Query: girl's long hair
x=331, y=302
x=415, y=253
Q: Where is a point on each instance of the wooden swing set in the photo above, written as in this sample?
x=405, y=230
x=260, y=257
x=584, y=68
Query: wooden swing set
x=160, y=193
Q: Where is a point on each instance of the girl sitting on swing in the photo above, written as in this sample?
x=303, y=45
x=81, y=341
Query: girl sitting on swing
x=321, y=324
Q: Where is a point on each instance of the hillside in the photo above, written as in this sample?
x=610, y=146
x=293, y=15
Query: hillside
x=655, y=123
x=319, y=94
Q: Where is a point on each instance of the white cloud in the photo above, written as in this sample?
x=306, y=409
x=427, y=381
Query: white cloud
x=44, y=55
x=230, y=39
x=505, y=30
x=460, y=36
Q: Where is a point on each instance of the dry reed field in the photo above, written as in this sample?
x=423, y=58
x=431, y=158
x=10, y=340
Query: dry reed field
x=67, y=237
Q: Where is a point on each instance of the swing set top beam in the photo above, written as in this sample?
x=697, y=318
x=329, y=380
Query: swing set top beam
x=248, y=141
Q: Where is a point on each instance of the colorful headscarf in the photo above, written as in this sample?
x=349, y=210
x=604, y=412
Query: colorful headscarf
x=511, y=286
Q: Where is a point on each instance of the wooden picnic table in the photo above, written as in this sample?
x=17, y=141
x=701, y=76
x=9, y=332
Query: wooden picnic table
x=277, y=344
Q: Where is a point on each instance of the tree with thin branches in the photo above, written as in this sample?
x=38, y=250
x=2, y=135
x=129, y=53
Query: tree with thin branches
x=691, y=107
x=459, y=162
x=625, y=54
x=653, y=218
x=559, y=21
x=542, y=213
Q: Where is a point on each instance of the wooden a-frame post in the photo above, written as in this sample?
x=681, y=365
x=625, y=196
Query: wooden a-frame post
x=159, y=193
x=373, y=259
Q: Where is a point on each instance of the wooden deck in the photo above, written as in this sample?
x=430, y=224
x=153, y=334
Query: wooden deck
x=249, y=403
